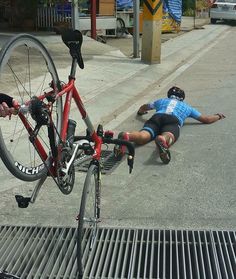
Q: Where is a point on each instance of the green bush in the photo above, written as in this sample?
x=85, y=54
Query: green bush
x=189, y=12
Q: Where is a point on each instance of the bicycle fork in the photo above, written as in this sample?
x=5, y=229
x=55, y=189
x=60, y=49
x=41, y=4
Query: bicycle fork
x=97, y=207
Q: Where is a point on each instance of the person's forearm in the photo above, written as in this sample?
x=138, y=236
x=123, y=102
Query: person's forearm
x=209, y=119
x=213, y=118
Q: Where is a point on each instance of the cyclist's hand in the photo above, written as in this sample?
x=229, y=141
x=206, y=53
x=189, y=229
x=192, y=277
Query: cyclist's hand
x=221, y=115
x=141, y=113
x=7, y=105
x=6, y=111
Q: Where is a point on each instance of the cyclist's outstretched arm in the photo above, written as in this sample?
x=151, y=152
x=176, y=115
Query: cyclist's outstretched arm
x=209, y=119
x=143, y=109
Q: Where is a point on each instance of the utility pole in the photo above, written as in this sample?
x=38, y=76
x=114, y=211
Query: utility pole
x=136, y=29
x=75, y=15
x=152, y=25
x=194, y=15
x=93, y=19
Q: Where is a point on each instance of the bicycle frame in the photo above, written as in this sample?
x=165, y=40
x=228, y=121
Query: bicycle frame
x=71, y=92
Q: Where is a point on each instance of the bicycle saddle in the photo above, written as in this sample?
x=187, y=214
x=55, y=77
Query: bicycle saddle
x=73, y=39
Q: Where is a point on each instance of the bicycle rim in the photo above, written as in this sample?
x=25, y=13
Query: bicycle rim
x=26, y=70
x=120, y=27
x=88, y=216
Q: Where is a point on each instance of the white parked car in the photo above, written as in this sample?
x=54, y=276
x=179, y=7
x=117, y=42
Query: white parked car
x=223, y=10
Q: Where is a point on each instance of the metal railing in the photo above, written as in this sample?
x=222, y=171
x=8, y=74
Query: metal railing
x=48, y=17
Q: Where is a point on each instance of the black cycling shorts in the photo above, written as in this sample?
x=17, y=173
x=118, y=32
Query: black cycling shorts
x=160, y=123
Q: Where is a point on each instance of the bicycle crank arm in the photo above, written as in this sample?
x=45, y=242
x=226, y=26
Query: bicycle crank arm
x=68, y=164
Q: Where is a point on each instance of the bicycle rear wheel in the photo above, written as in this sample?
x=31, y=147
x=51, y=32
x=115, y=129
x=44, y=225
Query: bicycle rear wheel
x=120, y=27
x=26, y=70
x=89, y=215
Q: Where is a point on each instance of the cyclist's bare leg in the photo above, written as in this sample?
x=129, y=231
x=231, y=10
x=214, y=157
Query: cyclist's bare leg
x=139, y=137
x=167, y=138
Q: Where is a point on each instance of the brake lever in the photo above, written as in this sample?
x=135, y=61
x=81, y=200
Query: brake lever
x=130, y=161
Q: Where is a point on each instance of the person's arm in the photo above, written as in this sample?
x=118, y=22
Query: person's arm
x=144, y=109
x=209, y=119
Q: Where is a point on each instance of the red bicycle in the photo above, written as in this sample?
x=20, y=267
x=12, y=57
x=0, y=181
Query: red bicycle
x=41, y=140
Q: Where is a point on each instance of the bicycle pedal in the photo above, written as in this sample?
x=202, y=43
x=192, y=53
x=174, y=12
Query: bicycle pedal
x=23, y=202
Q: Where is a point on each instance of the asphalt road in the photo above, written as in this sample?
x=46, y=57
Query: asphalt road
x=197, y=189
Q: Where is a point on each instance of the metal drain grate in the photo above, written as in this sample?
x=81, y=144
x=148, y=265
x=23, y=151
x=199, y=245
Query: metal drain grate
x=45, y=253
x=109, y=162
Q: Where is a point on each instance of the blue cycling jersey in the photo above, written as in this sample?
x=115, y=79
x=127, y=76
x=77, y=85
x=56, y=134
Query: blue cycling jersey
x=174, y=107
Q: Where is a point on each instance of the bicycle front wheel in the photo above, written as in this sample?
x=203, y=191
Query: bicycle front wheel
x=89, y=215
x=26, y=70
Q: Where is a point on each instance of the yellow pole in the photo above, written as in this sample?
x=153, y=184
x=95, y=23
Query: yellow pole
x=151, y=37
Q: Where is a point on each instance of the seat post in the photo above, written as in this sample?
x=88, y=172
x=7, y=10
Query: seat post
x=73, y=68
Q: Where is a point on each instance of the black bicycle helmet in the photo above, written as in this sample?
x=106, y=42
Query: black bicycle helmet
x=176, y=92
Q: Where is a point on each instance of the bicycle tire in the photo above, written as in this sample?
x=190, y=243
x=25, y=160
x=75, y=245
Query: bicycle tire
x=22, y=82
x=90, y=202
x=120, y=27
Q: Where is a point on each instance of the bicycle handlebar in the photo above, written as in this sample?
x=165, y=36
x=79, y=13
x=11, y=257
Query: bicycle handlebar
x=129, y=145
x=107, y=140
